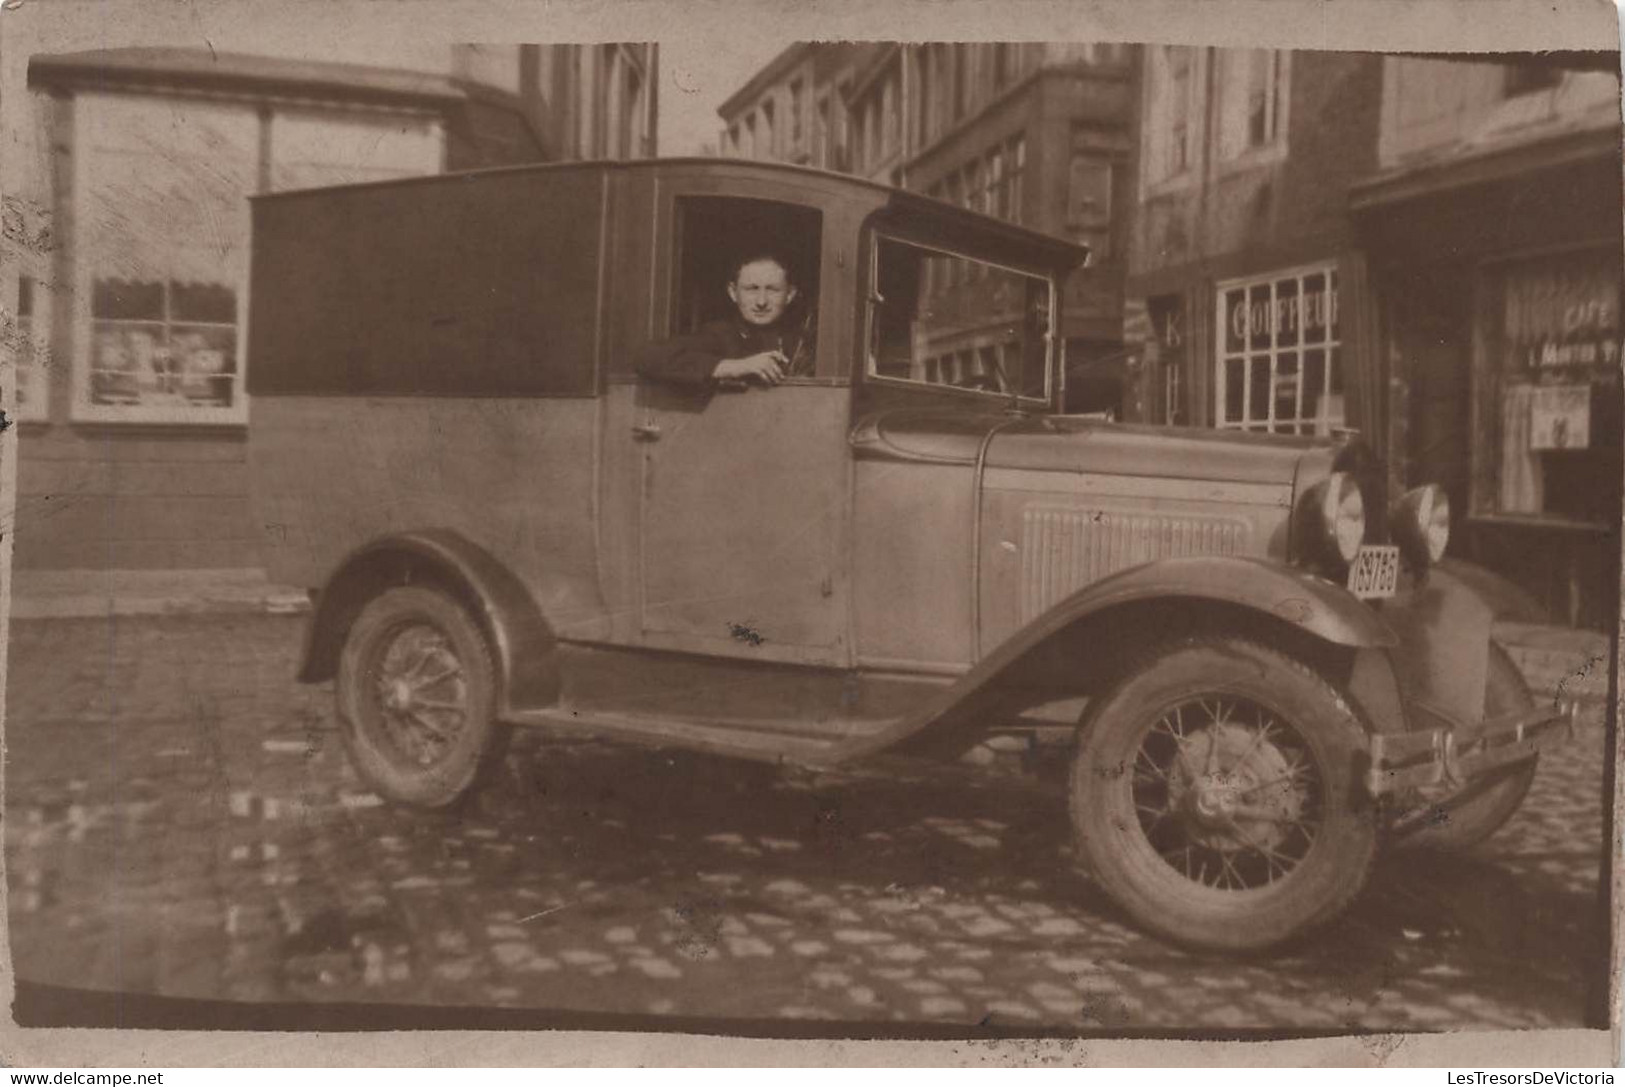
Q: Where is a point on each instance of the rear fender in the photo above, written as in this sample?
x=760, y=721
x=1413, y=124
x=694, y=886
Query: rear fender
x=521, y=641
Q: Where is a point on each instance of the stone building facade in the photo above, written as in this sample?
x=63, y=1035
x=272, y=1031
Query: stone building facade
x=128, y=178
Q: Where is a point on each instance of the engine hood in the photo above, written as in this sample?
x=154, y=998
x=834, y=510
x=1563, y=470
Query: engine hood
x=1077, y=444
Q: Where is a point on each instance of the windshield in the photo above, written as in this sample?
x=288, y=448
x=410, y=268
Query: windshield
x=945, y=319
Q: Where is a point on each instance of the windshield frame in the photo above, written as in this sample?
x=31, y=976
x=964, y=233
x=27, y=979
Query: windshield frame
x=871, y=306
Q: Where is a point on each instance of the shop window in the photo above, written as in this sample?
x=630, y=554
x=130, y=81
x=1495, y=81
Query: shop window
x=1547, y=391
x=1279, y=367
x=29, y=348
x=1252, y=95
x=163, y=230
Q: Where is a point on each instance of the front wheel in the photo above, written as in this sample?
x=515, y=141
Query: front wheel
x=415, y=698
x=1214, y=796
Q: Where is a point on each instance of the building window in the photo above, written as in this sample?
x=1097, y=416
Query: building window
x=749, y=146
x=163, y=235
x=733, y=140
x=797, y=104
x=770, y=145
x=821, y=134
x=1279, y=369
x=1015, y=167
x=1251, y=98
x=30, y=347
x=1089, y=191
x=1531, y=77
x=1174, y=108
x=962, y=87
x=1004, y=68
x=1546, y=439
x=891, y=126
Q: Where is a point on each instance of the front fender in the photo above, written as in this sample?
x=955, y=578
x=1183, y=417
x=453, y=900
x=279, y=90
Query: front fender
x=522, y=643
x=1246, y=587
x=1320, y=607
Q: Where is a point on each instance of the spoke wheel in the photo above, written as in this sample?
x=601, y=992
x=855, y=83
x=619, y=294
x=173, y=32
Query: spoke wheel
x=1457, y=825
x=1212, y=796
x=415, y=698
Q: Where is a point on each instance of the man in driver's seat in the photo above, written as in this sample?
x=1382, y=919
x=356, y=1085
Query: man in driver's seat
x=759, y=345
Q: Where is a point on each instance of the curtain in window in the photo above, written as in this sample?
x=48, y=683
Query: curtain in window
x=1522, y=486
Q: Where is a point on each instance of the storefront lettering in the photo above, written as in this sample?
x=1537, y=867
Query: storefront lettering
x=1280, y=318
x=1173, y=335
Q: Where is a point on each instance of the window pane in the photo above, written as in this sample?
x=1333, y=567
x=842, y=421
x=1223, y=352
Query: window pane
x=1314, y=384
x=1314, y=308
x=1235, y=323
x=988, y=338
x=203, y=302
x=1234, y=389
x=1259, y=314
x=1286, y=389
x=122, y=299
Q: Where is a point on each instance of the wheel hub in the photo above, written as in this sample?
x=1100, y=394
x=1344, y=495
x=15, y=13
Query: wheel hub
x=1231, y=787
x=398, y=695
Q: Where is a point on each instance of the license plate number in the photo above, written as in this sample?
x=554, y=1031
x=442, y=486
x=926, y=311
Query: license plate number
x=1374, y=572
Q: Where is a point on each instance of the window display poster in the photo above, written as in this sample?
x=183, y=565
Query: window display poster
x=1560, y=417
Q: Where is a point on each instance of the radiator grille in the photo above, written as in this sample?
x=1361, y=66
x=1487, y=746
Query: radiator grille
x=1065, y=549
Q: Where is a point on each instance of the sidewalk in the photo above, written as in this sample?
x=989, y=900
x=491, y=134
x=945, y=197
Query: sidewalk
x=1557, y=662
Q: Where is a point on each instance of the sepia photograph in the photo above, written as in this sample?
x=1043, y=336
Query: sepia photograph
x=808, y=534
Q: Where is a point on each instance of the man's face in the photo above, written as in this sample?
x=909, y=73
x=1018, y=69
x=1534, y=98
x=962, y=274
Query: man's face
x=761, y=291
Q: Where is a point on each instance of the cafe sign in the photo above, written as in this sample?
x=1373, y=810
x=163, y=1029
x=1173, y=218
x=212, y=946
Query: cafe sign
x=1563, y=312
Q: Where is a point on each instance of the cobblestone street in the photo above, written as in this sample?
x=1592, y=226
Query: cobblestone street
x=180, y=820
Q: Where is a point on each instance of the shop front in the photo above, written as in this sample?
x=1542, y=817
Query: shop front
x=1498, y=280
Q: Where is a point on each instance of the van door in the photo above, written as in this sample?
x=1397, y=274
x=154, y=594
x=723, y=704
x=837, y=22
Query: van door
x=745, y=493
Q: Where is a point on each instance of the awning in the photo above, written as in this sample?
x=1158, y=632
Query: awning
x=1469, y=165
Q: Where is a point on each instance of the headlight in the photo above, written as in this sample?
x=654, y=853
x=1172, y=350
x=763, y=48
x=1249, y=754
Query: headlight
x=1421, y=523
x=1333, y=517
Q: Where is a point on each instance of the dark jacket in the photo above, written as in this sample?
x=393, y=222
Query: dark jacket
x=689, y=359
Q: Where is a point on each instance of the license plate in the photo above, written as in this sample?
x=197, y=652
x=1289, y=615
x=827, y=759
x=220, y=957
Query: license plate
x=1374, y=572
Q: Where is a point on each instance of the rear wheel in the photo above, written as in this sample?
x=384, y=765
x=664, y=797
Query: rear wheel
x=1214, y=796
x=416, y=697
x=1460, y=819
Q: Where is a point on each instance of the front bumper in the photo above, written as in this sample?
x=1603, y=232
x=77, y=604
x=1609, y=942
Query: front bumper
x=1454, y=754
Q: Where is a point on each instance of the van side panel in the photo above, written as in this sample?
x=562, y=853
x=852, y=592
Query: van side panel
x=513, y=476
x=472, y=285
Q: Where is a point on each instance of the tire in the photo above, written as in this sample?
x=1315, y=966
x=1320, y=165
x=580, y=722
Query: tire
x=1454, y=827
x=1262, y=839
x=416, y=699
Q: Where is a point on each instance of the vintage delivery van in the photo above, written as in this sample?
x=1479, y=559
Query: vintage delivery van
x=1265, y=665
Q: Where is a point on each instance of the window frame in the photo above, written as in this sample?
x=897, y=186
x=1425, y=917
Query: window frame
x=1486, y=383
x=34, y=330
x=1277, y=109
x=1052, y=339
x=86, y=266
x=1156, y=178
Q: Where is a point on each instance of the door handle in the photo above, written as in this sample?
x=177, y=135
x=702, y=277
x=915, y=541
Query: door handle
x=646, y=432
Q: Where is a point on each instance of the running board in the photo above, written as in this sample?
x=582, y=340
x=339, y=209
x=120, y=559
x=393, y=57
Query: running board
x=743, y=741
